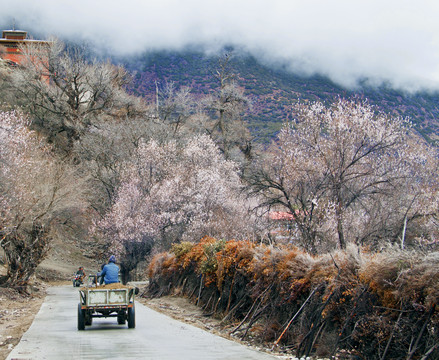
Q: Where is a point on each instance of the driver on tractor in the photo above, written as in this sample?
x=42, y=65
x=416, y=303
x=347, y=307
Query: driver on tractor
x=110, y=272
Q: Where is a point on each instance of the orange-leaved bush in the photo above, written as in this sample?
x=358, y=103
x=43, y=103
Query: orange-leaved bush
x=349, y=299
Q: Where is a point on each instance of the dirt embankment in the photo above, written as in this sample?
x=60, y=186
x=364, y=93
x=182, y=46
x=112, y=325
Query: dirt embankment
x=17, y=312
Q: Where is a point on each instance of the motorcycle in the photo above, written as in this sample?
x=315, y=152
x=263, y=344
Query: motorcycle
x=77, y=280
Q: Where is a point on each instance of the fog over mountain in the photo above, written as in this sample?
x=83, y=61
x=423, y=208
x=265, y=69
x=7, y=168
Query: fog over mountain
x=394, y=41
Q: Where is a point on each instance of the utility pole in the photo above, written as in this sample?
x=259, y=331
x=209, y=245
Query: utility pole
x=157, y=97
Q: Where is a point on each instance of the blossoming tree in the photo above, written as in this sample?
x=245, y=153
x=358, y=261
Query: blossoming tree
x=178, y=191
x=348, y=172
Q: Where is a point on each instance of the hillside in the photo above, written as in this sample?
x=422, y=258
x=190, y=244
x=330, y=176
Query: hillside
x=273, y=90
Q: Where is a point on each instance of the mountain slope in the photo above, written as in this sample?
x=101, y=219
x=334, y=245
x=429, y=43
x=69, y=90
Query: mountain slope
x=273, y=90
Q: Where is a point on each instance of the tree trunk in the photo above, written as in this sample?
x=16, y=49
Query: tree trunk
x=403, y=232
x=124, y=273
x=24, y=252
x=341, y=239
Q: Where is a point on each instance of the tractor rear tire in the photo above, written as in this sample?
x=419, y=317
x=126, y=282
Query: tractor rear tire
x=81, y=318
x=121, y=319
x=131, y=318
x=88, y=319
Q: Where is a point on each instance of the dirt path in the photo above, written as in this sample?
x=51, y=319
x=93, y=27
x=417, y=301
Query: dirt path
x=53, y=335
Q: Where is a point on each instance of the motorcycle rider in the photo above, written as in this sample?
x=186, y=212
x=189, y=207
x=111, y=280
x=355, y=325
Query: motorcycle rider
x=81, y=274
x=110, y=272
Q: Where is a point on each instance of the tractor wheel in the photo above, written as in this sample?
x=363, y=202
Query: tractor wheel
x=88, y=319
x=81, y=318
x=131, y=318
x=121, y=318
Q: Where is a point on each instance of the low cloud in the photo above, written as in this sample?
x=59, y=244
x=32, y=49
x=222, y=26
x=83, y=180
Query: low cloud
x=394, y=42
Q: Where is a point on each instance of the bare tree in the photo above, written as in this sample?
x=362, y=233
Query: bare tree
x=5, y=81
x=405, y=215
x=175, y=105
x=35, y=191
x=104, y=151
x=65, y=93
x=227, y=106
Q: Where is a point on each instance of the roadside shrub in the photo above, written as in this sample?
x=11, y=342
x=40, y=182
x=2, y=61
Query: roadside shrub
x=347, y=303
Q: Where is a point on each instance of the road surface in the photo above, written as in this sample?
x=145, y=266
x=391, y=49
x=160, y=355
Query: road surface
x=54, y=335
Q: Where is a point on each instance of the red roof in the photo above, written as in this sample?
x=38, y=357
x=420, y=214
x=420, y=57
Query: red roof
x=281, y=215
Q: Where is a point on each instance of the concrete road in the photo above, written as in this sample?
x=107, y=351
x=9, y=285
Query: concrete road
x=54, y=335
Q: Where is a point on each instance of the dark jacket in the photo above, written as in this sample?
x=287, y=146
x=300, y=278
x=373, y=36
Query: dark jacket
x=110, y=272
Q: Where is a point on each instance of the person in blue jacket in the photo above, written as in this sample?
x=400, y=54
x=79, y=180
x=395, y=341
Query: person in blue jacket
x=110, y=272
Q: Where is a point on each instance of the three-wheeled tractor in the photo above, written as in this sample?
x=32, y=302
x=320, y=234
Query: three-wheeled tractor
x=112, y=300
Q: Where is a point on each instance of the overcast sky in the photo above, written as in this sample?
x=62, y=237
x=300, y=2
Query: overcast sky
x=396, y=41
